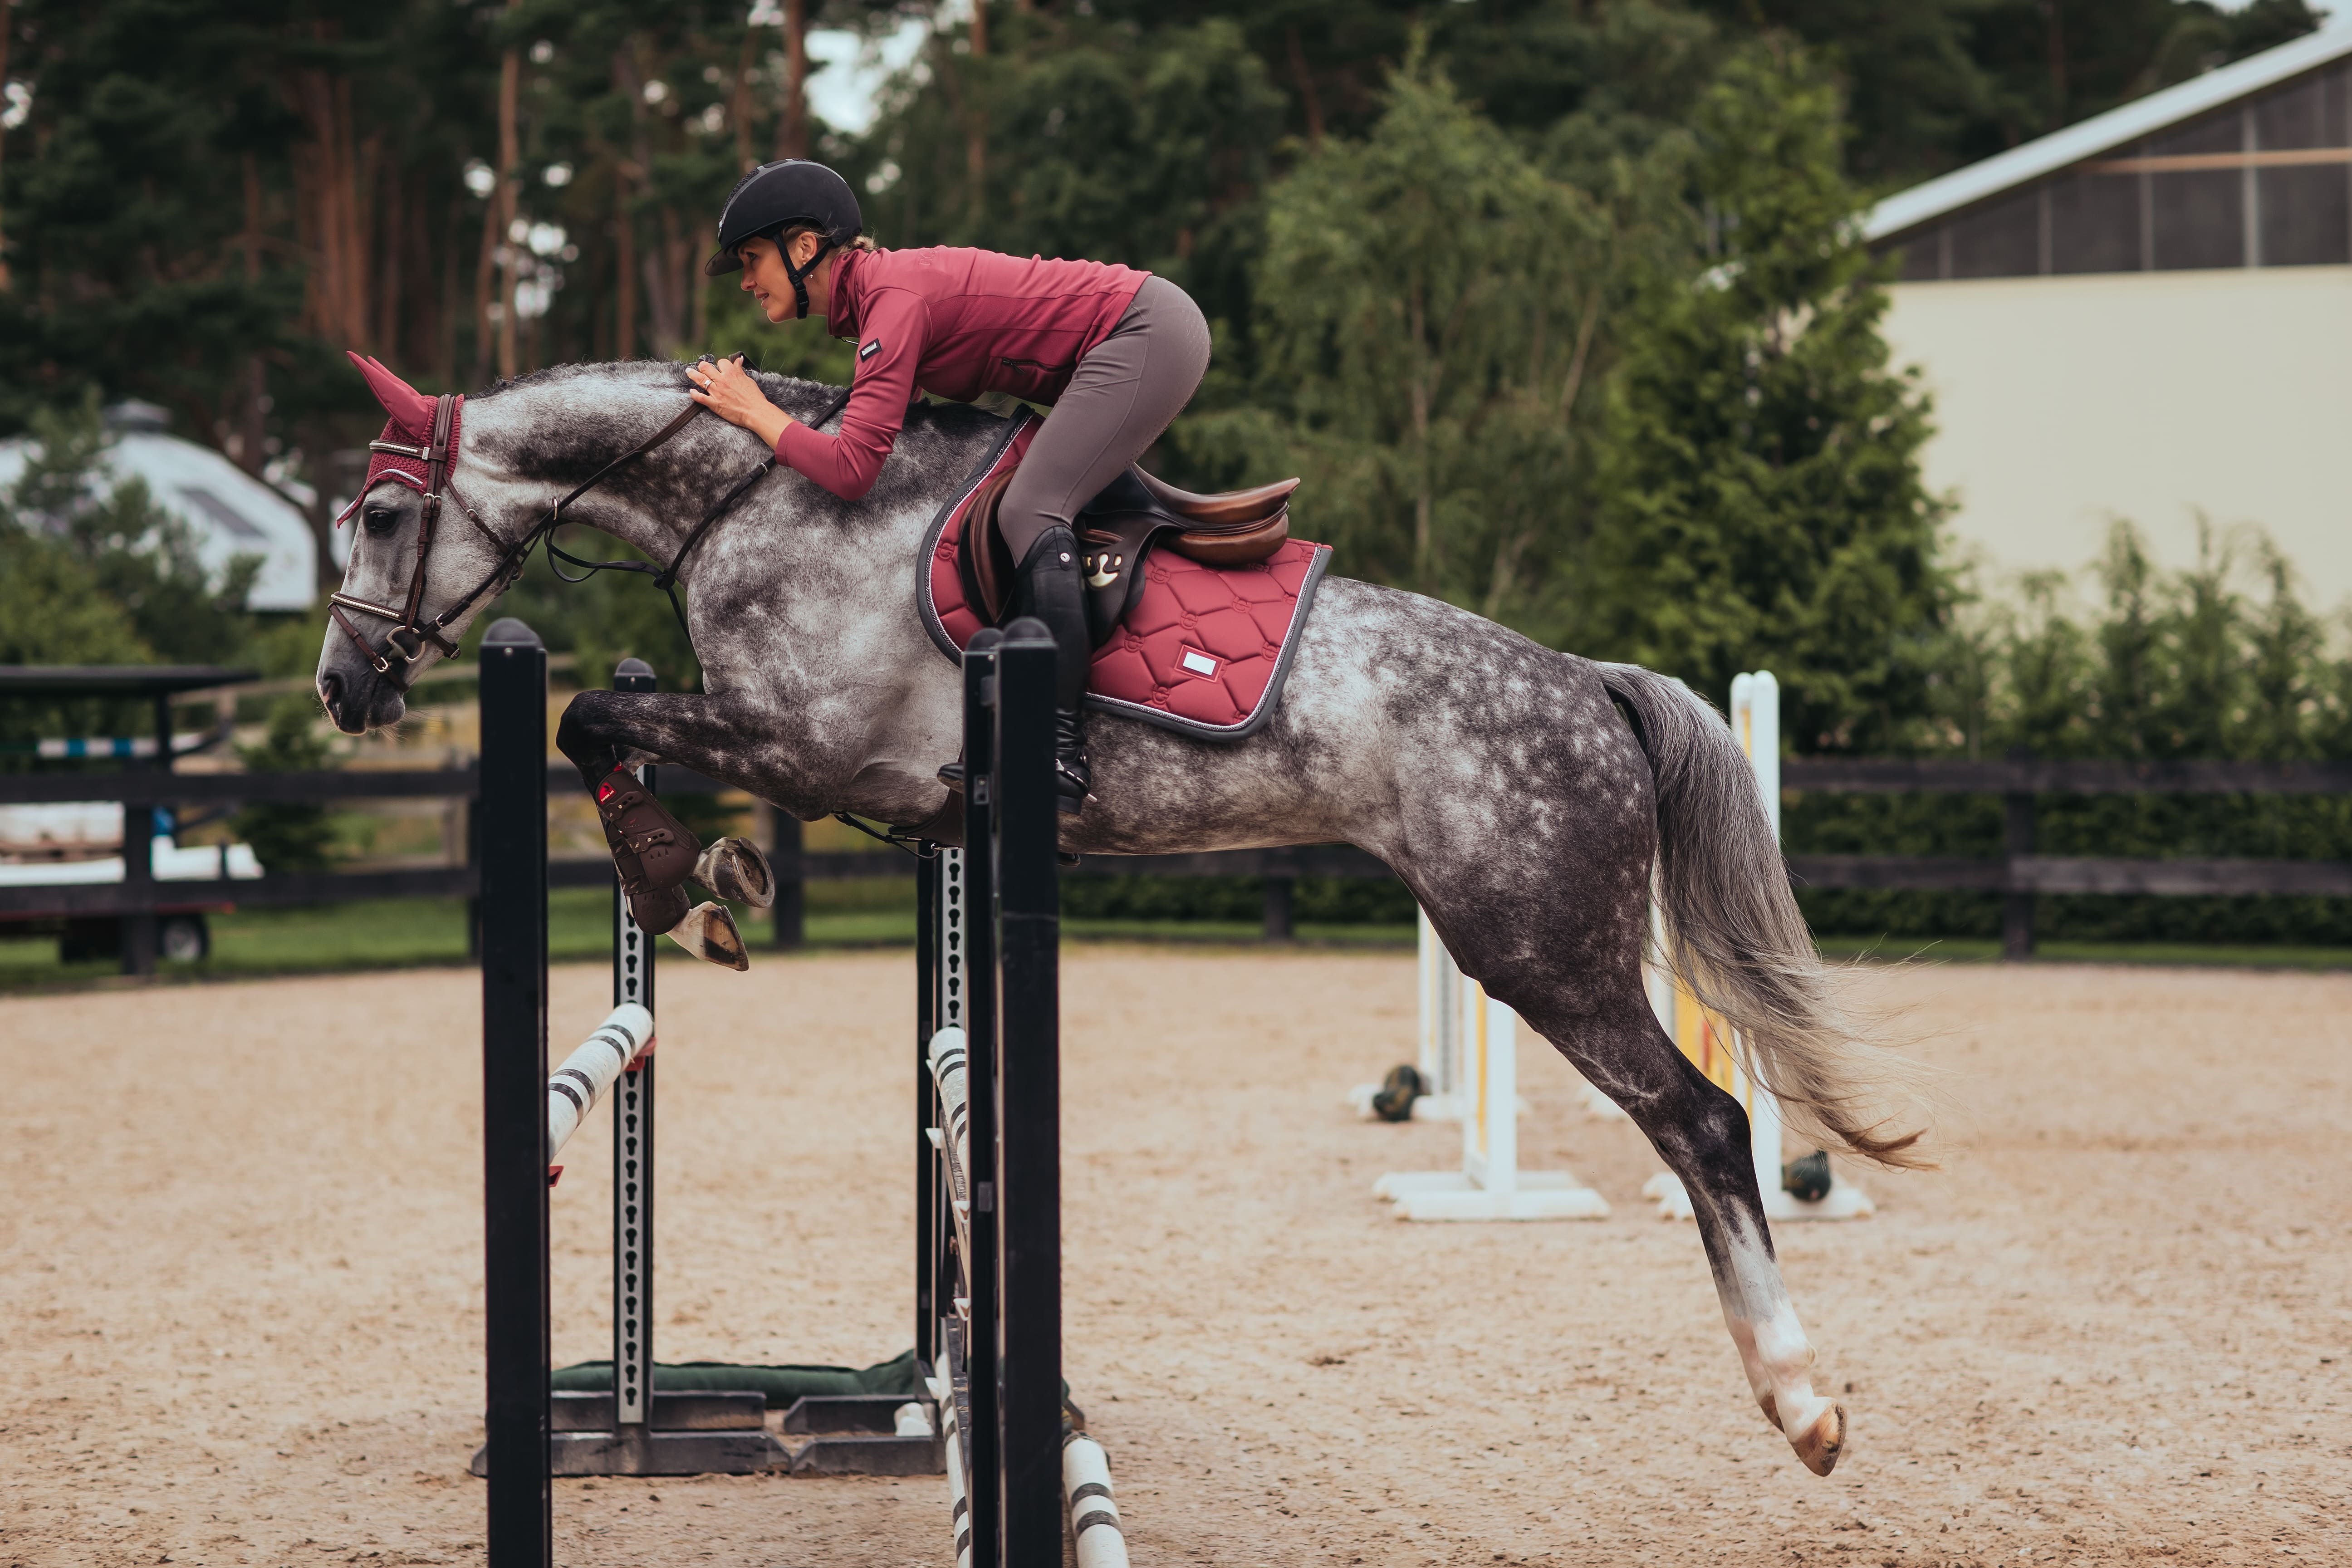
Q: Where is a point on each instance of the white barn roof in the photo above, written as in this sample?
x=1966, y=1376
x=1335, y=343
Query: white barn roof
x=2023, y=165
x=231, y=513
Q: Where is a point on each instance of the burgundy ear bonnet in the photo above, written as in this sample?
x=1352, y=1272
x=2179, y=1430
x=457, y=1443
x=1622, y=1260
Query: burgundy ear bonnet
x=411, y=424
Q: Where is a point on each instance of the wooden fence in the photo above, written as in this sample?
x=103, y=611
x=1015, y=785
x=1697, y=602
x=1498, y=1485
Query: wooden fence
x=2019, y=874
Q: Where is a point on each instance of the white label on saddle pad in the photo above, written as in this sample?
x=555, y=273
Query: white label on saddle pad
x=1198, y=663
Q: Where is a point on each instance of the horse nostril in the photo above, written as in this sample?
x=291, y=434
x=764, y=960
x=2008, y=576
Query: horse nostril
x=331, y=693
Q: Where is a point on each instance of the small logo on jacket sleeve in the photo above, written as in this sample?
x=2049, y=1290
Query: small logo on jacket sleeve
x=870, y=350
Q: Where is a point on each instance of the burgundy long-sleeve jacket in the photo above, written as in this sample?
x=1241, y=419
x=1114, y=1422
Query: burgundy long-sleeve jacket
x=958, y=323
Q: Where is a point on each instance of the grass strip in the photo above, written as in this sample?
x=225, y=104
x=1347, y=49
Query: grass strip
x=410, y=932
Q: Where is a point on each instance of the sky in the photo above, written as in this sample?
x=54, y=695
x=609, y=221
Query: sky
x=843, y=92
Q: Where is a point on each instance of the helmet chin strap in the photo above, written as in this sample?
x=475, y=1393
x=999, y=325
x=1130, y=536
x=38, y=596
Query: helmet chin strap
x=799, y=275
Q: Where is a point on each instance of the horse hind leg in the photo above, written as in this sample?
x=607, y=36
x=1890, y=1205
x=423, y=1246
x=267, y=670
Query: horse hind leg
x=1701, y=1132
x=1773, y=1348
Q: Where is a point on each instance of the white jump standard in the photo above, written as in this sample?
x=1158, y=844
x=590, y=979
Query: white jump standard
x=1472, y=1041
x=1711, y=1046
x=1085, y=1473
x=1439, y=1095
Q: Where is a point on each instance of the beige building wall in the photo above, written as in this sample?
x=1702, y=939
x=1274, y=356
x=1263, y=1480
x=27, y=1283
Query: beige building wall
x=2062, y=402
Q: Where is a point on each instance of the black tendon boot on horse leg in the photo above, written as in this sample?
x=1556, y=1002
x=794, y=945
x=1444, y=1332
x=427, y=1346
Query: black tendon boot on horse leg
x=652, y=850
x=655, y=855
x=1051, y=589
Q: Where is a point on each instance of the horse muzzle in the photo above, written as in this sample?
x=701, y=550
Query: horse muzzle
x=359, y=699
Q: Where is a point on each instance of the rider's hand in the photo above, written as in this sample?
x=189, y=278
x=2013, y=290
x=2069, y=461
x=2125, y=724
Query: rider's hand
x=727, y=391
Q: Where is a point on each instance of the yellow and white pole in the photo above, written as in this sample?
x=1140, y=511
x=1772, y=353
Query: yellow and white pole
x=1704, y=1037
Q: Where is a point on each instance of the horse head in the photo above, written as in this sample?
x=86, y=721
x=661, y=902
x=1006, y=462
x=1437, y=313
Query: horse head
x=459, y=490
x=418, y=545
x=420, y=572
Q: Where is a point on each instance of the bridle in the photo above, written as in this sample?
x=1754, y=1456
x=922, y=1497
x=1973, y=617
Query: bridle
x=405, y=644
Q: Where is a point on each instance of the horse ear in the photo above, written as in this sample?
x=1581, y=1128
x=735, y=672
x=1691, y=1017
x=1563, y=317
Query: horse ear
x=408, y=407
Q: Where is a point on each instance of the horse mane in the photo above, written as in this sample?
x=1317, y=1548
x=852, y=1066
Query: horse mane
x=799, y=397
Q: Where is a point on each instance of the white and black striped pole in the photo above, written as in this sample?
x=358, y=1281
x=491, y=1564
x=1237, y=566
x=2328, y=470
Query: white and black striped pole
x=573, y=1088
x=1094, y=1512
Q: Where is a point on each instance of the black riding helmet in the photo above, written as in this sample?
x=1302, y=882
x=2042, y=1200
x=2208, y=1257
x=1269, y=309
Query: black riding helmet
x=789, y=194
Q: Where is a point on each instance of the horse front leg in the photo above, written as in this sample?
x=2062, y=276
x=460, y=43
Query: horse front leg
x=606, y=735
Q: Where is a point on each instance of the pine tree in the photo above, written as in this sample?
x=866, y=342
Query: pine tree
x=1762, y=506
x=1428, y=304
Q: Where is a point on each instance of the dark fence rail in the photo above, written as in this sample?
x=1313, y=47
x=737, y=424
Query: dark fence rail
x=2020, y=875
x=279, y=889
x=145, y=787
x=1842, y=775
x=2031, y=874
x=156, y=788
x=138, y=897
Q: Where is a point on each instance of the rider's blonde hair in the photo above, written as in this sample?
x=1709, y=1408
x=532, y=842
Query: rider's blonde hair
x=784, y=240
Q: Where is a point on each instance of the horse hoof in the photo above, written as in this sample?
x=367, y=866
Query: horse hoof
x=736, y=871
x=657, y=910
x=1398, y=1091
x=1772, y=1408
x=1823, y=1441
x=708, y=932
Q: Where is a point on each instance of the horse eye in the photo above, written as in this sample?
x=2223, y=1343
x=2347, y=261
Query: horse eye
x=382, y=520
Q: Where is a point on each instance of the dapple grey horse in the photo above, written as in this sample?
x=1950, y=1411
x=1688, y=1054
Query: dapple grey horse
x=1529, y=799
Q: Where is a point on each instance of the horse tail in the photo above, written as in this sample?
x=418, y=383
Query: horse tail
x=1734, y=935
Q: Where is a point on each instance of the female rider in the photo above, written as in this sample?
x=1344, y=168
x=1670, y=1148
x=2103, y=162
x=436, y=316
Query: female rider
x=1117, y=352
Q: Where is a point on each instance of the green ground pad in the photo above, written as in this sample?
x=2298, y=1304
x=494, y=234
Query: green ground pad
x=781, y=1385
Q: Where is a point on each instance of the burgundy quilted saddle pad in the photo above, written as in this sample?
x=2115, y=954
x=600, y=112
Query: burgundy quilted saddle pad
x=1204, y=650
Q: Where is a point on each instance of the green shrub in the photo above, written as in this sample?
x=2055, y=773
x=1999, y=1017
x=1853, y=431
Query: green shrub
x=288, y=835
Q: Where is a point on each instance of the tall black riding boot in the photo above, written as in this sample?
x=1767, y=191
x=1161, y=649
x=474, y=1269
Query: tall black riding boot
x=1052, y=589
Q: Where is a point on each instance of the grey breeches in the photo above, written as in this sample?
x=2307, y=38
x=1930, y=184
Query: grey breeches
x=1121, y=396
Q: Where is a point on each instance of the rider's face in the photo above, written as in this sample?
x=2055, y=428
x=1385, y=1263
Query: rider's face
x=765, y=280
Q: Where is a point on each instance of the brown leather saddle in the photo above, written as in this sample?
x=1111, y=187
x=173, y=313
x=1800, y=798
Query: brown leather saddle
x=1134, y=515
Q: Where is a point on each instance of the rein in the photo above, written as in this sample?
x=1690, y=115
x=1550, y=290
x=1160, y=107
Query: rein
x=405, y=642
